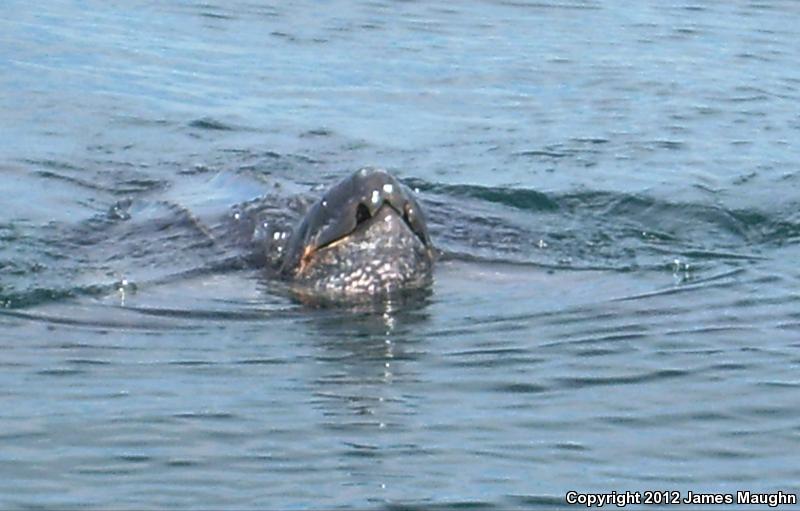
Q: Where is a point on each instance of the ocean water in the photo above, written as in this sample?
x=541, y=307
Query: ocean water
x=614, y=187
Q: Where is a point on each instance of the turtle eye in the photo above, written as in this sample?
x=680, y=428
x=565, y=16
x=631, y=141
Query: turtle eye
x=362, y=214
x=408, y=213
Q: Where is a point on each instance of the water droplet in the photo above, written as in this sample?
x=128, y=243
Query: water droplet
x=376, y=196
x=388, y=188
x=122, y=288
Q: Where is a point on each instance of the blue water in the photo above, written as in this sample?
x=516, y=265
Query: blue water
x=614, y=186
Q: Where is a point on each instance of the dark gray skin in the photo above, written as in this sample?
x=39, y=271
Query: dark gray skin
x=366, y=237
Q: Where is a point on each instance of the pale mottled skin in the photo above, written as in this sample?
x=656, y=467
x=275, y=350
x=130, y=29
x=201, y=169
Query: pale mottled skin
x=365, y=237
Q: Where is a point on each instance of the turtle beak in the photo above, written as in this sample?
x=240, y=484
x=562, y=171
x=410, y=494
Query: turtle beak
x=305, y=259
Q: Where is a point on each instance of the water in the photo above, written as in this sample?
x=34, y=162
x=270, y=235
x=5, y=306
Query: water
x=614, y=186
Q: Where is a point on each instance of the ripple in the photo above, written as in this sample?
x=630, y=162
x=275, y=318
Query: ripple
x=208, y=123
x=213, y=416
x=647, y=377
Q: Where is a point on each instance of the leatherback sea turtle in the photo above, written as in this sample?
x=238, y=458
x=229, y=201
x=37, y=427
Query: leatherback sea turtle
x=366, y=236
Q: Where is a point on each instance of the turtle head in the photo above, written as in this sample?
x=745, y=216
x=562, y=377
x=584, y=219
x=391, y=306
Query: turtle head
x=366, y=235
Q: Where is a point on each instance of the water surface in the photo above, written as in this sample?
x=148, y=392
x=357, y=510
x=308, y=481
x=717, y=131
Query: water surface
x=614, y=188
